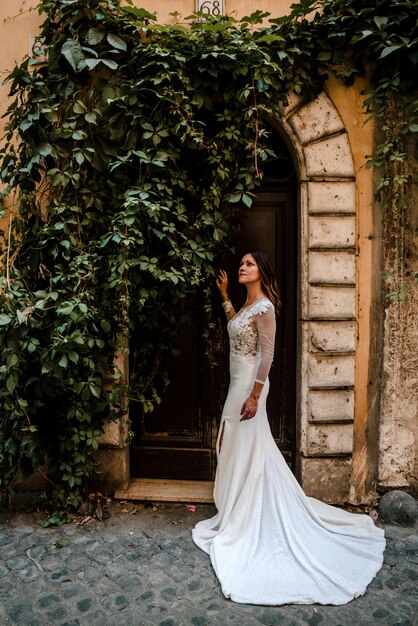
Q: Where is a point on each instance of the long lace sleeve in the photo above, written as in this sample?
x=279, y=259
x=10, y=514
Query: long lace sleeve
x=265, y=322
x=229, y=309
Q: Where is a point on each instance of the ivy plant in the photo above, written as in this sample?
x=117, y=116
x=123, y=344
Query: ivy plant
x=126, y=157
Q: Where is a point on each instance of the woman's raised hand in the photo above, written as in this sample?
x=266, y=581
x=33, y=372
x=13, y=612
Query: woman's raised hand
x=222, y=283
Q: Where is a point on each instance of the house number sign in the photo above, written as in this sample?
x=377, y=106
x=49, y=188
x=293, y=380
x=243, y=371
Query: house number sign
x=210, y=7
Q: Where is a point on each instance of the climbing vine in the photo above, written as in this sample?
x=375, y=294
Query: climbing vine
x=126, y=157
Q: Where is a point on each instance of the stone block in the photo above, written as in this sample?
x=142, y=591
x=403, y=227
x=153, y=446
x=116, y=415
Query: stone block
x=331, y=404
x=316, y=119
x=332, y=197
x=330, y=157
x=331, y=231
x=397, y=445
x=293, y=102
x=331, y=302
x=332, y=267
x=326, y=479
x=302, y=422
x=399, y=507
x=331, y=336
x=37, y=482
x=115, y=434
x=330, y=371
x=328, y=439
x=113, y=469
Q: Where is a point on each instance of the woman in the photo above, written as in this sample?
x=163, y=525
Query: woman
x=269, y=543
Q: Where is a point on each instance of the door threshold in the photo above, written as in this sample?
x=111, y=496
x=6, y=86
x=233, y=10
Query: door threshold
x=162, y=490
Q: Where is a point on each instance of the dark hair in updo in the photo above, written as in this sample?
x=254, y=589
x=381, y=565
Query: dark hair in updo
x=268, y=277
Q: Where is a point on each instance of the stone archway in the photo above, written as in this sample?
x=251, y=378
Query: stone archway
x=327, y=310
x=327, y=305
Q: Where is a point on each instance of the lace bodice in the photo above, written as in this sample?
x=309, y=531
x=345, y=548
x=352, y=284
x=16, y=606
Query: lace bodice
x=251, y=335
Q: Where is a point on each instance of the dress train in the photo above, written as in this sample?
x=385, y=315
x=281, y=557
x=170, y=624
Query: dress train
x=269, y=543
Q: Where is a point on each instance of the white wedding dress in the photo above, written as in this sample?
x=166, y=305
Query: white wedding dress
x=269, y=543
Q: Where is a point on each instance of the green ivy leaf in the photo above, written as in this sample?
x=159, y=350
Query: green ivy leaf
x=12, y=360
x=11, y=383
x=73, y=356
x=79, y=135
x=91, y=117
x=65, y=309
x=92, y=63
x=381, y=22
x=389, y=50
x=94, y=36
x=105, y=326
x=72, y=52
x=116, y=41
x=110, y=63
x=25, y=125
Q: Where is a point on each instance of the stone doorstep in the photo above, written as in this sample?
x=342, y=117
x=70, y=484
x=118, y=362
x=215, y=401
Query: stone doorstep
x=159, y=490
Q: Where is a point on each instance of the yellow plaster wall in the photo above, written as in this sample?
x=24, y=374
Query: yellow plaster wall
x=19, y=19
x=235, y=8
x=349, y=103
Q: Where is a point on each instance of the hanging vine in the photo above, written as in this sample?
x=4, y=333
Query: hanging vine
x=128, y=153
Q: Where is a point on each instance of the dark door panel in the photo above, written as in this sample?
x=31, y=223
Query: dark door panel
x=173, y=463
x=175, y=440
x=271, y=226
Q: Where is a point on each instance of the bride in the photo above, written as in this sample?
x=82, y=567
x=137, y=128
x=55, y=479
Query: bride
x=269, y=543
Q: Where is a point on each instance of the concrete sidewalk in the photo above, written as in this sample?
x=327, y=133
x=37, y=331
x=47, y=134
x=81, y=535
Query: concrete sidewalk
x=140, y=567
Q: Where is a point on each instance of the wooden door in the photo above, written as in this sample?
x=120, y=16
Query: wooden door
x=177, y=440
x=271, y=226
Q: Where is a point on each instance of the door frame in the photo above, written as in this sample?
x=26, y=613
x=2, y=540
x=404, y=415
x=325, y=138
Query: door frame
x=331, y=180
x=177, y=441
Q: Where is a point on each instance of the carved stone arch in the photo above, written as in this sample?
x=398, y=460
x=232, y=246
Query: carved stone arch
x=327, y=295
x=319, y=144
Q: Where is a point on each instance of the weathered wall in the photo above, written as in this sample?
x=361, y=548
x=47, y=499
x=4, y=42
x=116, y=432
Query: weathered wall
x=19, y=19
x=398, y=444
x=235, y=8
x=342, y=408
x=369, y=305
x=339, y=296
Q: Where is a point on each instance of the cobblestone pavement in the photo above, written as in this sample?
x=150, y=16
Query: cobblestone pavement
x=140, y=567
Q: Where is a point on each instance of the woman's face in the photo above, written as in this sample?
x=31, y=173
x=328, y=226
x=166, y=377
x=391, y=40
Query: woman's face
x=248, y=270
